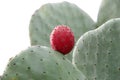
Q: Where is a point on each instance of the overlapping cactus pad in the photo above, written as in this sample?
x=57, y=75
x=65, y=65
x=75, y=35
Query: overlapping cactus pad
x=97, y=52
x=41, y=63
x=109, y=9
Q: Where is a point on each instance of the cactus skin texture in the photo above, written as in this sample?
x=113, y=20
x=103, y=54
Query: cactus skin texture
x=97, y=52
x=41, y=63
x=109, y=9
x=50, y=15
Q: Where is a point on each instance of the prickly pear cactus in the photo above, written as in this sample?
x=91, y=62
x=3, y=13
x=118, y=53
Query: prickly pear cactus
x=52, y=14
x=109, y=9
x=97, y=52
x=41, y=63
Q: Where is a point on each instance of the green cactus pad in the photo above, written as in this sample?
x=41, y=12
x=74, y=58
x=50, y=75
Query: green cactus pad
x=109, y=9
x=41, y=63
x=52, y=14
x=97, y=52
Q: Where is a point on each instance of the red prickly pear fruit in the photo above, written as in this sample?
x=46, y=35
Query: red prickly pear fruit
x=62, y=39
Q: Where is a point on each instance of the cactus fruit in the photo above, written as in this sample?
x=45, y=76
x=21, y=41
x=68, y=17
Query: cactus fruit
x=62, y=39
x=109, y=9
x=41, y=63
x=97, y=52
x=50, y=15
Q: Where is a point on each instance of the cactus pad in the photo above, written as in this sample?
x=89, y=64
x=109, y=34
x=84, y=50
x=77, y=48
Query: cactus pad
x=109, y=9
x=50, y=15
x=97, y=52
x=41, y=63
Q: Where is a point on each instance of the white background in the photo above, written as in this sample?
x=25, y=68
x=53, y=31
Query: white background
x=14, y=23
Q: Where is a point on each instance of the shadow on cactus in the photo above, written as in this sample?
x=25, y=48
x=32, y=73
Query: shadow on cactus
x=50, y=15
